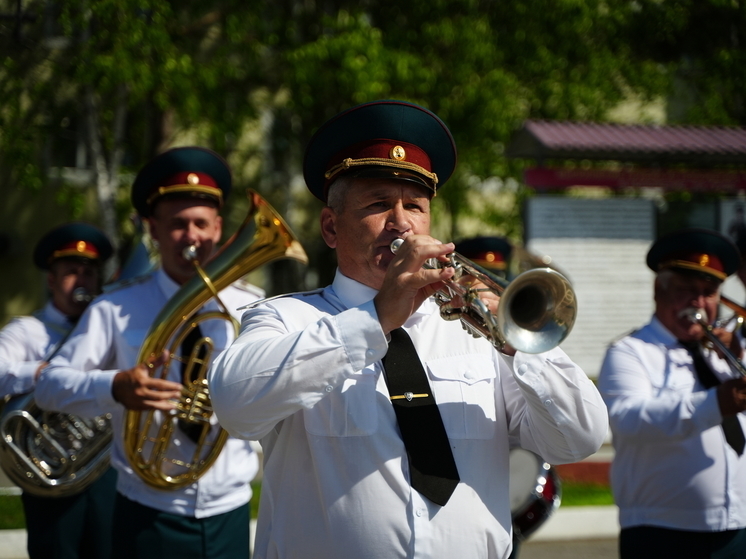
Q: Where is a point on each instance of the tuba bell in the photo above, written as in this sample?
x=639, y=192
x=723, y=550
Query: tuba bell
x=148, y=436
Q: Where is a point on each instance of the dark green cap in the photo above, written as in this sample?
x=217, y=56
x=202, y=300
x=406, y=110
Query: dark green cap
x=72, y=240
x=381, y=139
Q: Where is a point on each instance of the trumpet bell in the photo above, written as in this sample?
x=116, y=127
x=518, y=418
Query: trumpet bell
x=537, y=310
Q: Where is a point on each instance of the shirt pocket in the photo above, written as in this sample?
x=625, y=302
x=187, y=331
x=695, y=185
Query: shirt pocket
x=464, y=388
x=347, y=411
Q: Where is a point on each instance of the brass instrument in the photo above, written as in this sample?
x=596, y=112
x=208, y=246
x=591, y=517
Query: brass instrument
x=262, y=238
x=697, y=316
x=738, y=310
x=536, y=313
x=52, y=454
x=55, y=454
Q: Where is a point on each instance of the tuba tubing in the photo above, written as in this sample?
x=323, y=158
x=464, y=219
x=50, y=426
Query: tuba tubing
x=536, y=313
x=52, y=454
x=262, y=238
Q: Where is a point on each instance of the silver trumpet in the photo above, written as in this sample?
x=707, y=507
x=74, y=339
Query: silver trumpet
x=537, y=309
x=82, y=295
x=698, y=317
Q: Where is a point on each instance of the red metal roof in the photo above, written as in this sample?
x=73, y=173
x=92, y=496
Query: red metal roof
x=541, y=139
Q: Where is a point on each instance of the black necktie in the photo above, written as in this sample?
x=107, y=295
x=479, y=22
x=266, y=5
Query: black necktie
x=731, y=426
x=190, y=429
x=432, y=467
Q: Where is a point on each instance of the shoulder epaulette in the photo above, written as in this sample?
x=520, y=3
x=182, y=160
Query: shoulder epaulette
x=117, y=285
x=244, y=285
x=622, y=336
x=282, y=295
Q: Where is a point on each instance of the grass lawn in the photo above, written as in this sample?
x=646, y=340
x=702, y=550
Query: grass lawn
x=585, y=494
x=11, y=513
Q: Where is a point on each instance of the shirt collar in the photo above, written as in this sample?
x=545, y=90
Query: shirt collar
x=662, y=333
x=352, y=293
x=54, y=315
x=168, y=286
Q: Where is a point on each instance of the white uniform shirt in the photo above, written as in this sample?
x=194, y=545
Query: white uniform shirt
x=106, y=340
x=24, y=343
x=672, y=467
x=304, y=378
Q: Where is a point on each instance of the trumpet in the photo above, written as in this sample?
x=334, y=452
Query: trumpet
x=698, y=317
x=536, y=313
x=739, y=312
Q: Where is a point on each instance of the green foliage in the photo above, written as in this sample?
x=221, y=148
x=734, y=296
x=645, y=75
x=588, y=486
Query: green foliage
x=701, y=43
x=253, y=80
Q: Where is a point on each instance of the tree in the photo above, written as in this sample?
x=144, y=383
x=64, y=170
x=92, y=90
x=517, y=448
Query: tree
x=253, y=80
x=702, y=46
x=116, y=74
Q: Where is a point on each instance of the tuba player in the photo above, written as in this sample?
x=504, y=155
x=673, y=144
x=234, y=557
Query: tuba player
x=71, y=255
x=179, y=194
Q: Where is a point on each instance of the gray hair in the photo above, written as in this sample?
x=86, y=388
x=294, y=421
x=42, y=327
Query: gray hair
x=663, y=278
x=337, y=193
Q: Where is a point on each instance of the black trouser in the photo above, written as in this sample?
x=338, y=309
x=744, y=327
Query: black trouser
x=77, y=527
x=643, y=542
x=141, y=532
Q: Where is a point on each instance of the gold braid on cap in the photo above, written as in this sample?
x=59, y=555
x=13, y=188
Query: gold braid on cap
x=686, y=264
x=349, y=162
x=186, y=188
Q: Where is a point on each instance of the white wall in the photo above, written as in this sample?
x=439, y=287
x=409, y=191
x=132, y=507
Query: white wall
x=600, y=245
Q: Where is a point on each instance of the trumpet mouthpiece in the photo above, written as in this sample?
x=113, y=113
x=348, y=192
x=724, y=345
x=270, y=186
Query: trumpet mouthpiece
x=395, y=244
x=190, y=252
x=81, y=295
x=693, y=314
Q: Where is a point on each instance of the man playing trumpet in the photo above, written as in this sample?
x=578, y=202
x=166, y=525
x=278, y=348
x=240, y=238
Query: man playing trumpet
x=372, y=449
x=679, y=474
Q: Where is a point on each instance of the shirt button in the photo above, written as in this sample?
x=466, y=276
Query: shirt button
x=522, y=369
x=547, y=403
x=418, y=512
x=329, y=388
x=468, y=375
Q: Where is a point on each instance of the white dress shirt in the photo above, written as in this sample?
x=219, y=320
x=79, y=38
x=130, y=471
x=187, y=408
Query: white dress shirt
x=24, y=343
x=672, y=467
x=304, y=378
x=106, y=340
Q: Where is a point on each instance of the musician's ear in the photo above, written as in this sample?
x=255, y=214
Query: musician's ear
x=329, y=227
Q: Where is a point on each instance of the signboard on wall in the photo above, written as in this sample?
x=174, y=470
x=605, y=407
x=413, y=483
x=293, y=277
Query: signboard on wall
x=600, y=245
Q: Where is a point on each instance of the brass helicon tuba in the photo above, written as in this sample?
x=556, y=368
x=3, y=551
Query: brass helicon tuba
x=263, y=238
